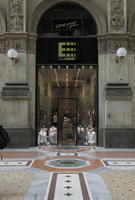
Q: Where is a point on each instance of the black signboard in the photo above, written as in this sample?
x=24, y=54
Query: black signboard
x=67, y=50
x=66, y=24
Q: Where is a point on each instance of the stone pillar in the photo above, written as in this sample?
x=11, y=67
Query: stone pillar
x=102, y=80
x=17, y=94
x=118, y=92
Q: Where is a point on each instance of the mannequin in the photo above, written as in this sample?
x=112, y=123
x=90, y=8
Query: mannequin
x=53, y=134
x=81, y=134
x=42, y=136
x=80, y=129
x=91, y=136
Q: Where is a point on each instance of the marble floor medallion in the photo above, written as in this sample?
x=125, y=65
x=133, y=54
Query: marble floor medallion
x=67, y=163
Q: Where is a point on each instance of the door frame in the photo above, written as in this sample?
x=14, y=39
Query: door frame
x=76, y=142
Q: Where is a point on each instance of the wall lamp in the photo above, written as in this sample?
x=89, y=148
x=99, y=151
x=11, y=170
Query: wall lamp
x=121, y=53
x=13, y=55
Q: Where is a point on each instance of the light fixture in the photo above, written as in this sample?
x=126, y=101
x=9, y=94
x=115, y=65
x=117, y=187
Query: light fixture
x=121, y=53
x=13, y=55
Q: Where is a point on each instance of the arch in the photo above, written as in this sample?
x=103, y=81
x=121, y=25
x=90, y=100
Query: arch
x=89, y=6
x=2, y=24
x=131, y=26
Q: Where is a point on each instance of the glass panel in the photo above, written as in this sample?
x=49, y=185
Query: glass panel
x=67, y=100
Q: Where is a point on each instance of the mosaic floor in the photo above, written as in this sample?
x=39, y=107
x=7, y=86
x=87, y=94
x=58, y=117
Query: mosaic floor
x=76, y=173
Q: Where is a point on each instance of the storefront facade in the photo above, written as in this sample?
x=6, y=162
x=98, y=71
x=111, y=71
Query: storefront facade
x=24, y=26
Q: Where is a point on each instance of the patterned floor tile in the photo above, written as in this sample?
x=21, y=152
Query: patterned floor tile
x=15, y=163
x=67, y=186
x=119, y=162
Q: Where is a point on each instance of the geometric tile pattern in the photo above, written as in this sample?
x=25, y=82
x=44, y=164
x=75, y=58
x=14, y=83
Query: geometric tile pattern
x=113, y=154
x=119, y=162
x=121, y=183
x=41, y=164
x=15, y=163
x=67, y=186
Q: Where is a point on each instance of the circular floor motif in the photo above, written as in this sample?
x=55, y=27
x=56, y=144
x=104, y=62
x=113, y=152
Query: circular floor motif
x=67, y=163
x=70, y=161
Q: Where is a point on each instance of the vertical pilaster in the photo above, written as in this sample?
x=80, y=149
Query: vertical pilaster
x=16, y=16
x=117, y=16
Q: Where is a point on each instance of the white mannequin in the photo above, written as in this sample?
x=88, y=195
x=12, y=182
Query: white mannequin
x=53, y=134
x=42, y=136
x=80, y=129
x=91, y=136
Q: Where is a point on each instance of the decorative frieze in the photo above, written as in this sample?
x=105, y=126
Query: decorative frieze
x=102, y=44
x=15, y=91
x=2, y=44
x=131, y=44
x=117, y=15
x=118, y=92
x=16, y=15
x=111, y=42
x=20, y=42
x=31, y=44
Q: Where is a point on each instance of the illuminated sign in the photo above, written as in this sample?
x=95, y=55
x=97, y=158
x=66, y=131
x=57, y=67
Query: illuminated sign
x=66, y=24
x=67, y=51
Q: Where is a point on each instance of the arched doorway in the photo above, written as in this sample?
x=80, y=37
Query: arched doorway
x=67, y=70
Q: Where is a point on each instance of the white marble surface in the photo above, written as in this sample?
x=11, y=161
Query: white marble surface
x=121, y=163
x=13, y=163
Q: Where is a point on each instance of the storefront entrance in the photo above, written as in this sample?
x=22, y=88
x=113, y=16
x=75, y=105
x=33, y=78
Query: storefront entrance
x=67, y=70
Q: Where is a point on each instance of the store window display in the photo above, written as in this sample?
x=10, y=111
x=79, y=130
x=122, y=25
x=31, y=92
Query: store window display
x=52, y=135
x=42, y=136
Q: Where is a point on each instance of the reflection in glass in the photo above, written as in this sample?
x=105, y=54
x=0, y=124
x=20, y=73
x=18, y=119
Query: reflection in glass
x=67, y=105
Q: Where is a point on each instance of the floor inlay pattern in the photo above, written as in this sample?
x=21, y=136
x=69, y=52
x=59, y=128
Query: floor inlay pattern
x=67, y=154
x=67, y=163
x=67, y=186
x=119, y=162
x=116, y=154
x=15, y=163
x=93, y=164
